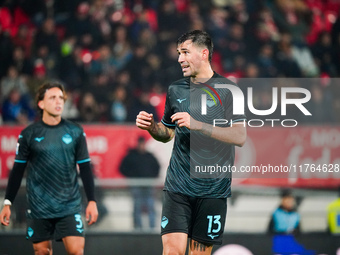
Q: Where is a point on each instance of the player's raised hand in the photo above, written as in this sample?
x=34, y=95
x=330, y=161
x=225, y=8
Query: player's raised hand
x=5, y=215
x=145, y=120
x=91, y=212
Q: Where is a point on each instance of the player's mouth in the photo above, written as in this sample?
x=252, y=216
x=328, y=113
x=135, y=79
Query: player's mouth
x=58, y=108
x=185, y=68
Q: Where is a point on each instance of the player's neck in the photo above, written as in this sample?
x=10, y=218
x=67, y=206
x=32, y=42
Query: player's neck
x=204, y=75
x=51, y=120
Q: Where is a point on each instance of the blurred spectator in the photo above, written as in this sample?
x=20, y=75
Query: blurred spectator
x=72, y=68
x=102, y=89
x=266, y=62
x=238, y=12
x=291, y=17
x=80, y=25
x=105, y=63
x=171, y=70
x=49, y=60
x=303, y=57
x=285, y=61
x=324, y=54
x=6, y=48
x=139, y=163
x=24, y=39
x=39, y=76
x=70, y=107
x=47, y=36
x=157, y=98
x=16, y=109
x=119, y=108
x=170, y=22
x=266, y=29
x=142, y=103
x=88, y=108
x=121, y=49
x=236, y=45
x=285, y=219
x=23, y=64
x=100, y=11
x=13, y=81
x=138, y=65
x=333, y=215
x=218, y=28
x=284, y=224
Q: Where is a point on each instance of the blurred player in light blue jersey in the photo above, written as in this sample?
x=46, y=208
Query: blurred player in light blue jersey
x=49, y=150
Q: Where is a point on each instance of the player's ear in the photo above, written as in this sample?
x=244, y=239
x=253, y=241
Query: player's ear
x=205, y=54
x=41, y=104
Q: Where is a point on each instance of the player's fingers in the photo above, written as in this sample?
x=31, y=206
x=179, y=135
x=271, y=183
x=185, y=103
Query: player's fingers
x=5, y=220
x=93, y=218
x=144, y=114
x=175, y=117
x=143, y=124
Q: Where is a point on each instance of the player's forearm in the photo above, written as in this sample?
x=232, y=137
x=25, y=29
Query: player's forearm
x=161, y=133
x=235, y=135
x=88, y=180
x=14, y=181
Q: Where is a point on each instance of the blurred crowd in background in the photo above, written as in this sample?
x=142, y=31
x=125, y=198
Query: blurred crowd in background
x=117, y=57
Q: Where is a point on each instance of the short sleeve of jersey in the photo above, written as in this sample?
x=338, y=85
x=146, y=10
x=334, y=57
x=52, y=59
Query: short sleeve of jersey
x=82, y=154
x=168, y=112
x=229, y=111
x=22, y=149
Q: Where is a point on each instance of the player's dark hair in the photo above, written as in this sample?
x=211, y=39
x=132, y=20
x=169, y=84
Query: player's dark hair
x=199, y=38
x=42, y=91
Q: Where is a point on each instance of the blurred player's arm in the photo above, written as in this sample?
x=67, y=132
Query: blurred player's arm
x=158, y=131
x=86, y=176
x=13, y=185
x=235, y=134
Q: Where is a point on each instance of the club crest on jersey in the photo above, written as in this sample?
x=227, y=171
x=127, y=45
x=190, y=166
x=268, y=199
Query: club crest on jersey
x=67, y=139
x=165, y=221
x=210, y=102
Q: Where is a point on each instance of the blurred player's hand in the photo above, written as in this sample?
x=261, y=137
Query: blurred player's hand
x=5, y=215
x=91, y=212
x=145, y=120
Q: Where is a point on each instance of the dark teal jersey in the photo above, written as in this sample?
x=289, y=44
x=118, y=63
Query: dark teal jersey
x=51, y=154
x=194, y=152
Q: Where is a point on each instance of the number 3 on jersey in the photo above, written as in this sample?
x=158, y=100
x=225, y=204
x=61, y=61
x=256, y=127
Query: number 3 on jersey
x=214, y=225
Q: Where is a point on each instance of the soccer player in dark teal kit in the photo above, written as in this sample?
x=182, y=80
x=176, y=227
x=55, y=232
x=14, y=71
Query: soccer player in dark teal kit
x=49, y=150
x=195, y=207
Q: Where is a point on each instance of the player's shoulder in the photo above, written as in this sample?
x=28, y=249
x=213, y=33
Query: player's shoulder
x=223, y=80
x=181, y=82
x=72, y=125
x=32, y=127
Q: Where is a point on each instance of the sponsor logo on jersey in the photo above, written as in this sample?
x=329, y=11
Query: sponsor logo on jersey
x=213, y=236
x=39, y=139
x=80, y=230
x=30, y=232
x=67, y=139
x=181, y=100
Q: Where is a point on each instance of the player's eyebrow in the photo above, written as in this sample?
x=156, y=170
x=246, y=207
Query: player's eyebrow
x=182, y=49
